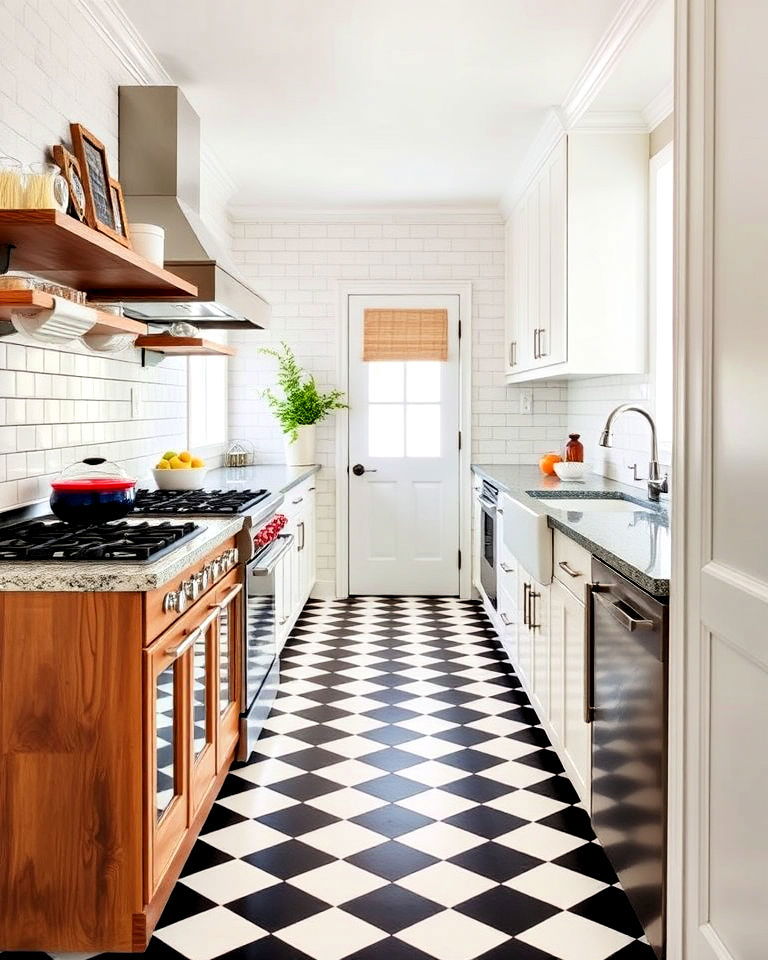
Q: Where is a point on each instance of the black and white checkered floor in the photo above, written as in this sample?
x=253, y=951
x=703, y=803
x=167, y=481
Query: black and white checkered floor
x=404, y=805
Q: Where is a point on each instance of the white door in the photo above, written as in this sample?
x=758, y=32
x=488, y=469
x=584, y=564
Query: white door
x=404, y=437
x=719, y=665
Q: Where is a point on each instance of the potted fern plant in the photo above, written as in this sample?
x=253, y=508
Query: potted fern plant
x=300, y=407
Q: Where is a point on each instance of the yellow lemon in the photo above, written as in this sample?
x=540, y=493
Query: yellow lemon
x=163, y=465
x=186, y=456
x=168, y=455
x=176, y=463
x=197, y=462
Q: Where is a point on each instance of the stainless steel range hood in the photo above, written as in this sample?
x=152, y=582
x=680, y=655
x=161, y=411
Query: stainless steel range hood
x=160, y=176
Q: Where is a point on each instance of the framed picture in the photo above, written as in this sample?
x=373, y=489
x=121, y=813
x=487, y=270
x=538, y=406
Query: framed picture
x=118, y=210
x=70, y=170
x=92, y=157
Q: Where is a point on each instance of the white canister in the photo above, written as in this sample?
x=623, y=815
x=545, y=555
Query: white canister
x=301, y=451
x=148, y=240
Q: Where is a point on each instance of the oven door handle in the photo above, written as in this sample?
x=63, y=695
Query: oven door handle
x=192, y=638
x=265, y=565
x=230, y=596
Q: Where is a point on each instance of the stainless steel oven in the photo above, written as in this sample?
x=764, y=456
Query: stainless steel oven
x=489, y=496
x=261, y=668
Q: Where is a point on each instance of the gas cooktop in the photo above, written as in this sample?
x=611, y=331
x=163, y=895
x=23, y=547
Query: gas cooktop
x=174, y=502
x=119, y=541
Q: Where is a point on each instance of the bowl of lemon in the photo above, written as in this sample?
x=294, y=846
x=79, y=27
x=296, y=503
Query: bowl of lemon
x=179, y=471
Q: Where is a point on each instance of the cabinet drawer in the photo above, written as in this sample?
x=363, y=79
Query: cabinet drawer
x=299, y=497
x=572, y=565
x=159, y=613
x=506, y=570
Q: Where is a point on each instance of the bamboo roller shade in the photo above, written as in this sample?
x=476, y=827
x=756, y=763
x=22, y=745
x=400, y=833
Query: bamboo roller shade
x=405, y=334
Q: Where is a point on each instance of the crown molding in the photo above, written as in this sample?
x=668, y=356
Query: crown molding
x=604, y=58
x=600, y=121
x=551, y=131
x=110, y=22
x=291, y=213
x=660, y=107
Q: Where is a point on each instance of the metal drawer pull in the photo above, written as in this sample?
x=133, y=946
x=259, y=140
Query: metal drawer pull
x=563, y=564
x=311, y=489
x=297, y=500
x=230, y=596
x=505, y=619
x=193, y=637
x=526, y=588
x=506, y=569
x=532, y=595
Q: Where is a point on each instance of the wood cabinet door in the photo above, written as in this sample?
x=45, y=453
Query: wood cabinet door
x=229, y=647
x=167, y=716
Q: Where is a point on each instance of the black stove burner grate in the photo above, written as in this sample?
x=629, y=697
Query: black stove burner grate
x=120, y=541
x=175, y=502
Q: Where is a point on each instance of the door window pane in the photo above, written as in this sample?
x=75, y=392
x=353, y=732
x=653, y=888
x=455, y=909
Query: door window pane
x=386, y=381
x=386, y=430
x=423, y=430
x=165, y=704
x=423, y=381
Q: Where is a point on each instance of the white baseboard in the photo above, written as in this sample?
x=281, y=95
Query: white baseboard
x=323, y=590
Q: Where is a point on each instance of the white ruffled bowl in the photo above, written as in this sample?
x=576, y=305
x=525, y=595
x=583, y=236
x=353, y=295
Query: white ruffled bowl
x=570, y=471
x=189, y=479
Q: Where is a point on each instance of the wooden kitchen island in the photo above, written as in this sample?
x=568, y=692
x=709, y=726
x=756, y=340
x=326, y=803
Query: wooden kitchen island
x=118, y=723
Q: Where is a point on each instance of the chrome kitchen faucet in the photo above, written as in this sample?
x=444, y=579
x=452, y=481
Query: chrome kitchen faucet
x=656, y=485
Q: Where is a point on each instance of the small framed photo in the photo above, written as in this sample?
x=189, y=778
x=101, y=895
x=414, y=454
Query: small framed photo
x=92, y=156
x=118, y=210
x=70, y=170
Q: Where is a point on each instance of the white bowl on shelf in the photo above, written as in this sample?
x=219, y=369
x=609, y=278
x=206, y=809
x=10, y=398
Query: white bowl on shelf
x=191, y=478
x=572, y=472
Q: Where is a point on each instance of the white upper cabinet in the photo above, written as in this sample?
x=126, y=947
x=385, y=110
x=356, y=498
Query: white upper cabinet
x=576, y=261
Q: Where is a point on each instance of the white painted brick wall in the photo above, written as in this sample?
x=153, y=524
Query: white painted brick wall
x=57, y=406
x=298, y=265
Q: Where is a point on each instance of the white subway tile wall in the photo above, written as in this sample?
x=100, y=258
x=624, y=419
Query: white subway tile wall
x=589, y=403
x=298, y=265
x=59, y=405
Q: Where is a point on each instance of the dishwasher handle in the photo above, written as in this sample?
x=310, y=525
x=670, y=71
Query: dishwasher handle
x=629, y=618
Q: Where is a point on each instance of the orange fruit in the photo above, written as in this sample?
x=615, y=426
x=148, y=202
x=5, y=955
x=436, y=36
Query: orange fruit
x=548, y=461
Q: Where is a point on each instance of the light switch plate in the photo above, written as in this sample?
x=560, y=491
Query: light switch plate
x=135, y=403
x=526, y=401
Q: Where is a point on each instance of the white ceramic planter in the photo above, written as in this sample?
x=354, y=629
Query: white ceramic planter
x=300, y=452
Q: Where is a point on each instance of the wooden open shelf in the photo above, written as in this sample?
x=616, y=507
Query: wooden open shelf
x=60, y=248
x=183, y=346
x=29, y=301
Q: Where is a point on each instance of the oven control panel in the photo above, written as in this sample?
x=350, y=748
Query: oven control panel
x=177, y=601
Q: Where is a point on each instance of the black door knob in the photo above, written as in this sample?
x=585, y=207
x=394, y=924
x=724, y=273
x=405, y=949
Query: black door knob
x=358, y=469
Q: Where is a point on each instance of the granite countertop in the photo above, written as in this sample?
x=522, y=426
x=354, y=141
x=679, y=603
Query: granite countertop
x=56, y=577
x=637, y=545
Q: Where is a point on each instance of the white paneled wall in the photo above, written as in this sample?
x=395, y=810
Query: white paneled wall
x=298, y=264
x=57, y=406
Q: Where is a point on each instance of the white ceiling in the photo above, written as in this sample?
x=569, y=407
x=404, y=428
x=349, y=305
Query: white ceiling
x=369, y=102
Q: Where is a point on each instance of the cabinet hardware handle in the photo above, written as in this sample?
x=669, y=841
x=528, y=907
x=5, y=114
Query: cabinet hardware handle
x=513, y=353
x=499, y=511
x=590, y=589
x=526, y=588
x=311, y=489
x=506, y=569
x=541, y=349
x=536, y=344
x=193, y=637
x=626, y=616
x=563, y=564
x=223, y=604
x=302, y=540
x=505, y=619
x=282, y=620
x=532, y=596
x=297, y=500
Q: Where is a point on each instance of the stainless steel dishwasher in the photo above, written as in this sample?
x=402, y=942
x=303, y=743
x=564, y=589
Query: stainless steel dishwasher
x=626, y=665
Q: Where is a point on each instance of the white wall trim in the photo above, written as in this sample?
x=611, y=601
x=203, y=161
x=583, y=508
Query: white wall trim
x=462, y=289
x=550, y=133
x=660, y=107
x=290, y=213
x=601, y=121
x=604, y=58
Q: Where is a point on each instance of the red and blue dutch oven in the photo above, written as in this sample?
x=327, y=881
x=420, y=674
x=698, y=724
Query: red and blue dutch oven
x=91, y=492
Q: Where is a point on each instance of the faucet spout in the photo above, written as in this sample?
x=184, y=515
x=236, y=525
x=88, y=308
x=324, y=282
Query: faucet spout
x=656, y=485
